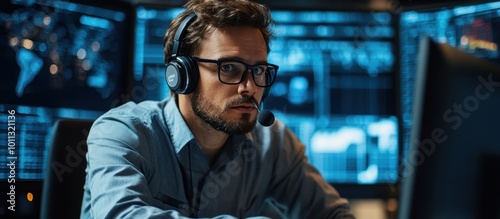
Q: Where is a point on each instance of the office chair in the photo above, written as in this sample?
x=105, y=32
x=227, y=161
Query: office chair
x=65, y=169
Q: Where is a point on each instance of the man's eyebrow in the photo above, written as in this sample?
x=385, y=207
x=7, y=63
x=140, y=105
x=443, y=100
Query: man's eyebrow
x=237, y=58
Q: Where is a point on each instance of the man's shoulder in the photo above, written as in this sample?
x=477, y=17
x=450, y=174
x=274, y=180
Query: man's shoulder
x=134, y=114
x=142, y=110
x=129, y=121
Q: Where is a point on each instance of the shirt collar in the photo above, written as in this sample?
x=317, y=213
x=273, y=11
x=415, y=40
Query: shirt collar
x=179, y=131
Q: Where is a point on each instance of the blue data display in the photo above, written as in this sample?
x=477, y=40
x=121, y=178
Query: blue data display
x=472, y=28
x=60, y=59
x=75, y=54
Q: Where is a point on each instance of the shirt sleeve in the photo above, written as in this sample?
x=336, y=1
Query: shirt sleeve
x=117, y=172
x=300, y=188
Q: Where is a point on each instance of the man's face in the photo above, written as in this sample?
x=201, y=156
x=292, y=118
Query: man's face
x=226, y=107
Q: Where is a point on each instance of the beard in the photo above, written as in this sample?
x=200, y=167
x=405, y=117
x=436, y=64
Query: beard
x=212, y=115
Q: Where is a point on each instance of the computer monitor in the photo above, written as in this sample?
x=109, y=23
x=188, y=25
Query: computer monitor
x=72, y=54
x=60, y=59
x=453, y=164
x=336, y=90
x=336, y=87
x=472, y=26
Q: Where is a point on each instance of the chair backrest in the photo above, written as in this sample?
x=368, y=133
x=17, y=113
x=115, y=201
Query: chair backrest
x=65, y=170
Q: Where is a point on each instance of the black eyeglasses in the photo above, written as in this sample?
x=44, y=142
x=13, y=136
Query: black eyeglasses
x=234, y=71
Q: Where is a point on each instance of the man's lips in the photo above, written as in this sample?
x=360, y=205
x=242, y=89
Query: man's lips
x=247, y=108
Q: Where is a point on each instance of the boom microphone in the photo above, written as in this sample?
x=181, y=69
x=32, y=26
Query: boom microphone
x=265, y=117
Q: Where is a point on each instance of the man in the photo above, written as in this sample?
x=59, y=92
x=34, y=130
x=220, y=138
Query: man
x=201, y=153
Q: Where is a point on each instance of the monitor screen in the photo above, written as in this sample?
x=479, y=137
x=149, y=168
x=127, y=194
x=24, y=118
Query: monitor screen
x=454, y=157
x=60, y=59
x=335, y=86
x=474, y=29
x=64, y=54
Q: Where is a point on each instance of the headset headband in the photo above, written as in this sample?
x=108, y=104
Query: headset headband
x=181, y=31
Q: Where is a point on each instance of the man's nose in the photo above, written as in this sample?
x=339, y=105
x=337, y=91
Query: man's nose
x=247, y=86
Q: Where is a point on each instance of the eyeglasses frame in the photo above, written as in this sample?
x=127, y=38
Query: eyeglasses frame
x=247, y=66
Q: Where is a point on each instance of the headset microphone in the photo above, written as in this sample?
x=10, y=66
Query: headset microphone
x=265, y=117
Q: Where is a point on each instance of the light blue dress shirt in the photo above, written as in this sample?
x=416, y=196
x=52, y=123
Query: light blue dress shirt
x=144, y=162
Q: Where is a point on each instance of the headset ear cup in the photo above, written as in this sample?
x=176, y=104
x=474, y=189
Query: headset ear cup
x=173, y=76
x=182, y=75
x=191, y=72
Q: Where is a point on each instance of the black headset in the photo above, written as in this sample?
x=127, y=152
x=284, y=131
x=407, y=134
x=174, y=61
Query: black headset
x=182, y=72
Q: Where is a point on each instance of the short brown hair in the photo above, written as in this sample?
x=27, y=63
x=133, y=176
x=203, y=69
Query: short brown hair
x=216, y=14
